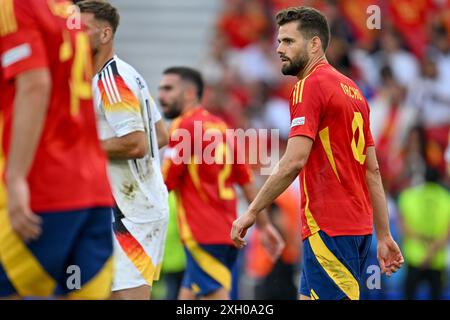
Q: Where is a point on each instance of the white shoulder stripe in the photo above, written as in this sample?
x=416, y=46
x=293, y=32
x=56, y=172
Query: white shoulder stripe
x=114, y=86
x=107, y=80
x=106, y=89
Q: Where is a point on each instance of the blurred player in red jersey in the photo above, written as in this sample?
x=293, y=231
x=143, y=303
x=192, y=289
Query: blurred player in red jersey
x=331, y=147
x=55, y=212
x=205, y=192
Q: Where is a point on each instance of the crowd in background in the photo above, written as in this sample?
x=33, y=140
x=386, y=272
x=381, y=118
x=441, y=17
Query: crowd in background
x=403, y=69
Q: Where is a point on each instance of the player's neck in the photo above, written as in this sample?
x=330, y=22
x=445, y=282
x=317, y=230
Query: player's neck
x=102, y=57
x=311, y=64
x=189, y=107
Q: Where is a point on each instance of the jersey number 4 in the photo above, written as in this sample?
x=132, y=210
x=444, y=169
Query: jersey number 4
x=358, y=146
x=81, y=73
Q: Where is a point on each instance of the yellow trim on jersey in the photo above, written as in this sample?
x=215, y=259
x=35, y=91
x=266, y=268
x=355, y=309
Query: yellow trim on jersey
x=24, y=271
x=193, y=173
x=314, y=295
x=213, y=267
x=65, y=50
x=297, y=91
x=341, y=276
x=300, y=95
x=297, y=95
x=99, y=287
x=324, y=135
x=8, y=22
x=311, y=222
x=61, y=9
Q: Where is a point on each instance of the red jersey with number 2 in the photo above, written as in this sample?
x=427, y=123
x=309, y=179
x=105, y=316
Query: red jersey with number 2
x=329, y=108
x=206, y=197
x=69, y=168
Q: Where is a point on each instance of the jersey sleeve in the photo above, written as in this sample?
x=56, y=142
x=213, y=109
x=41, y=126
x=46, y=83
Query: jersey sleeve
x=174, y=168
x=306, y=108
x=22, y=45
x=120, y=101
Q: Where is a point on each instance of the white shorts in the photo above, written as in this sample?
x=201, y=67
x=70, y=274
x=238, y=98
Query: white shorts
x=138, y=252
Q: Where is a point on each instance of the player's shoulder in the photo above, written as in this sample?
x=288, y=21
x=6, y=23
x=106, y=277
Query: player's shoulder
x=209, y=120
x=117, y=73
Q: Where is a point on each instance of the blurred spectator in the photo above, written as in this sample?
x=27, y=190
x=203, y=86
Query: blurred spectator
x=220, y=62
x=259, y=61
x=362, y=60
x=403, y=64
x=414, y=159
x=243, y=22
x=390, y=120
x=430, y=94
x=425, y=216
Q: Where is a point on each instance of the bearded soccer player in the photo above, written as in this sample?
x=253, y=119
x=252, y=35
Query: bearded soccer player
x=331, y=147
x=57, y=211
x=205, y=192
x=129, y=127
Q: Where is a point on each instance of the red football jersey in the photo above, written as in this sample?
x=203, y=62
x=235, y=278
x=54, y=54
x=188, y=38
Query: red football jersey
x=329, y=108
x=69, y=168
x=206, y=197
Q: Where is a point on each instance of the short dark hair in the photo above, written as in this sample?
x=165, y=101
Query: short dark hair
x=190, y=75
x=311, y=23
x=102, y=10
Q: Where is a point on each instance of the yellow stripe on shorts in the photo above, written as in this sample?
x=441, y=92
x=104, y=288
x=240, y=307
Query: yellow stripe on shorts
x=343, y=278
x=212, y=266
x=99, y=287
x=23, y=269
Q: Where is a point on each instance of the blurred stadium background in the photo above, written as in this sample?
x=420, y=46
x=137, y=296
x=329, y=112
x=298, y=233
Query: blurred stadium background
x=403, y=70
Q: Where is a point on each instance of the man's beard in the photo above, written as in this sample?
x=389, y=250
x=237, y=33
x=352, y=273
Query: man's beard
x=295, y=66
x=173, y=112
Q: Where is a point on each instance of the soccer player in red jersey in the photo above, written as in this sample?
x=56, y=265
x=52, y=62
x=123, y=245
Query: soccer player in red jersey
x=206, y=197
x=331, y=147
x=55, y=208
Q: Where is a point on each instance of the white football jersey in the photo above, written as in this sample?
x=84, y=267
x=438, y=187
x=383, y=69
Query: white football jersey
x=123, y=105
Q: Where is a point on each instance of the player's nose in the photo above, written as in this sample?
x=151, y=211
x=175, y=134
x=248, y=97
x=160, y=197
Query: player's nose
x=280, y=49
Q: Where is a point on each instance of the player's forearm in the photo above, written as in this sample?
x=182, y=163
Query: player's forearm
x=282, y=177
x=250, y=193
x=30, y=109
x=379, y=206
x=131, y=146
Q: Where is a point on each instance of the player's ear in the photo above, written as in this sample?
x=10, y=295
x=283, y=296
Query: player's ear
x=106, y=35
x=315, y=44
x=190, y=92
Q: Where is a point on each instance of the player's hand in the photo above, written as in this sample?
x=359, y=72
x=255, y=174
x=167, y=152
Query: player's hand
x=23, y=221
x=389, y=256
x=271, y=240
x=240, y=227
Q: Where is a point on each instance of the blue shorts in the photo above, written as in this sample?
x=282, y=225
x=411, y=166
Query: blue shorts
x=71, y=257
x=332, y=266
x=208, y=268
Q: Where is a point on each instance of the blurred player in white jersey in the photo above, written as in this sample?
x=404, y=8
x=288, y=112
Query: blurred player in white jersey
x=130, y=126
